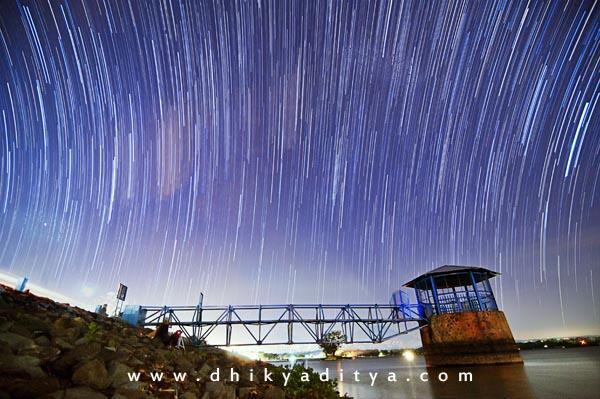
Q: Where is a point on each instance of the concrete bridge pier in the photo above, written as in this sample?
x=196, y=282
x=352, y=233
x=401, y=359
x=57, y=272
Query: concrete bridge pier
x=469, y=338
x=464, y=326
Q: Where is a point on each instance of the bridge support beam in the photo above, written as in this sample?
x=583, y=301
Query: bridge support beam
x=469, y=338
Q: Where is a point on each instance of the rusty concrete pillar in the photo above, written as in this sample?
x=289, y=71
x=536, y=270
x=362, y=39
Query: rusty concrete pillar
x=469, y=338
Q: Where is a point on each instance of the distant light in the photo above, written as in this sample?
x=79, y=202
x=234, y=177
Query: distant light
x=408, y=355
x=583, y=342
x=545, y=346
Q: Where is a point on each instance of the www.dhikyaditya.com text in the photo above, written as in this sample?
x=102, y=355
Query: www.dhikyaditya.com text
x=264, y=375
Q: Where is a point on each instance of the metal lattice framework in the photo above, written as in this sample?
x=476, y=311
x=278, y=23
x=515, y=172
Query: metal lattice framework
x=286, y=324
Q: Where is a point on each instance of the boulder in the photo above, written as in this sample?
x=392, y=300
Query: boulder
x=62, y=344
x=21, y=366
x=15, y=342
x=134, y=361
x=91, y=373
x=72, y=334
x=108, y=354
x=204, y=372
x=218, y=390
x=118, y=375
x=42, y=340
x=83, y=393
x=6, y=325
x=21, y=330
x=273, y=392
x=5, y=350
x=69, y=328
x=131, y=394
x=37, y=325
x=36, y=388
x=44, y=353
x=184, y=365
x=65, y=363
x=62, y=323
x=247, y=393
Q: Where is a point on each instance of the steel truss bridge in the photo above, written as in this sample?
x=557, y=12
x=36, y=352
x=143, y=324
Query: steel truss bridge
x=246, y=325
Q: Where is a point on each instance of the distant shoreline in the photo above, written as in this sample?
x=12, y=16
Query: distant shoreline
x=541, y=344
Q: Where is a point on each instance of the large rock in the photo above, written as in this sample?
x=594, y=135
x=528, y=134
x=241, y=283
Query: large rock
x=65, y=363
x=22, y=330
x=62, y=344
x=184, y=365
x=130, y=394
x=15, y=342
x=21, y=366
x=5, y=350
x=56, y=395
x=44, y=353
x=108, y=354
x=218, y=390
x=36, y=388
x=273, y=392
x=6, y=325
x=134, y=361
x=92, y=374
x=83, y=393
x=35, y=324
x=69, y=328
x=204, y=372
x=42, y=340
x=247, y=393
x=61, y=324
x=118, y=376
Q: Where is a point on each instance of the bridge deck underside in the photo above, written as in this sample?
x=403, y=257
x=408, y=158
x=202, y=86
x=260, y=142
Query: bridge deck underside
x=287, y=324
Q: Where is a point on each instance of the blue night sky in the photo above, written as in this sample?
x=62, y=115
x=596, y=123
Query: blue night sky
x=303, y=151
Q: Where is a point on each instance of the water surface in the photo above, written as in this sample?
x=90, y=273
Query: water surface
x=547, y=373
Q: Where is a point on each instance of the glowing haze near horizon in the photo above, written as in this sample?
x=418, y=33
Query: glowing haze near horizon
x=277, y=152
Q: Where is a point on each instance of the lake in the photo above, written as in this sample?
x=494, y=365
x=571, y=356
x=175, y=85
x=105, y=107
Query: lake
x=547, y=373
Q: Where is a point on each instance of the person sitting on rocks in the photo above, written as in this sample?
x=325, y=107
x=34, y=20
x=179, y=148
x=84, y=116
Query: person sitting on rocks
x=162, y=332
x=176, y=340
x=103, y=310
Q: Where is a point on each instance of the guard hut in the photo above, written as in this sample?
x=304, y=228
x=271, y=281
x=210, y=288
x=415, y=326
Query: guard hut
x=464, y=325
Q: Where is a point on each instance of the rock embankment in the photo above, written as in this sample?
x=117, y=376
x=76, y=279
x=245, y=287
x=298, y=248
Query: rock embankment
x=54, y=350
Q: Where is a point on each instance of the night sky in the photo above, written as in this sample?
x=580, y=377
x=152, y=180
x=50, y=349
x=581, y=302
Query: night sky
x=303, y=151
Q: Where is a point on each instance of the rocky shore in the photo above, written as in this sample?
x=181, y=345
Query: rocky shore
x=52, y=350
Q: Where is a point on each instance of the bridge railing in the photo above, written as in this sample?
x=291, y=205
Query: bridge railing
x=285, y=324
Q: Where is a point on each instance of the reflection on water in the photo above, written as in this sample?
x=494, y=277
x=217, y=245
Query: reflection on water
x=502, y=381
x=550, y=373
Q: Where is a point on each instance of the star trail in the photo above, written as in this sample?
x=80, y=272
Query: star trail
x=303, y=151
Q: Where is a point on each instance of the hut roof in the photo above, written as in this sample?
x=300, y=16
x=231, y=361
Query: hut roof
x=452, y=272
